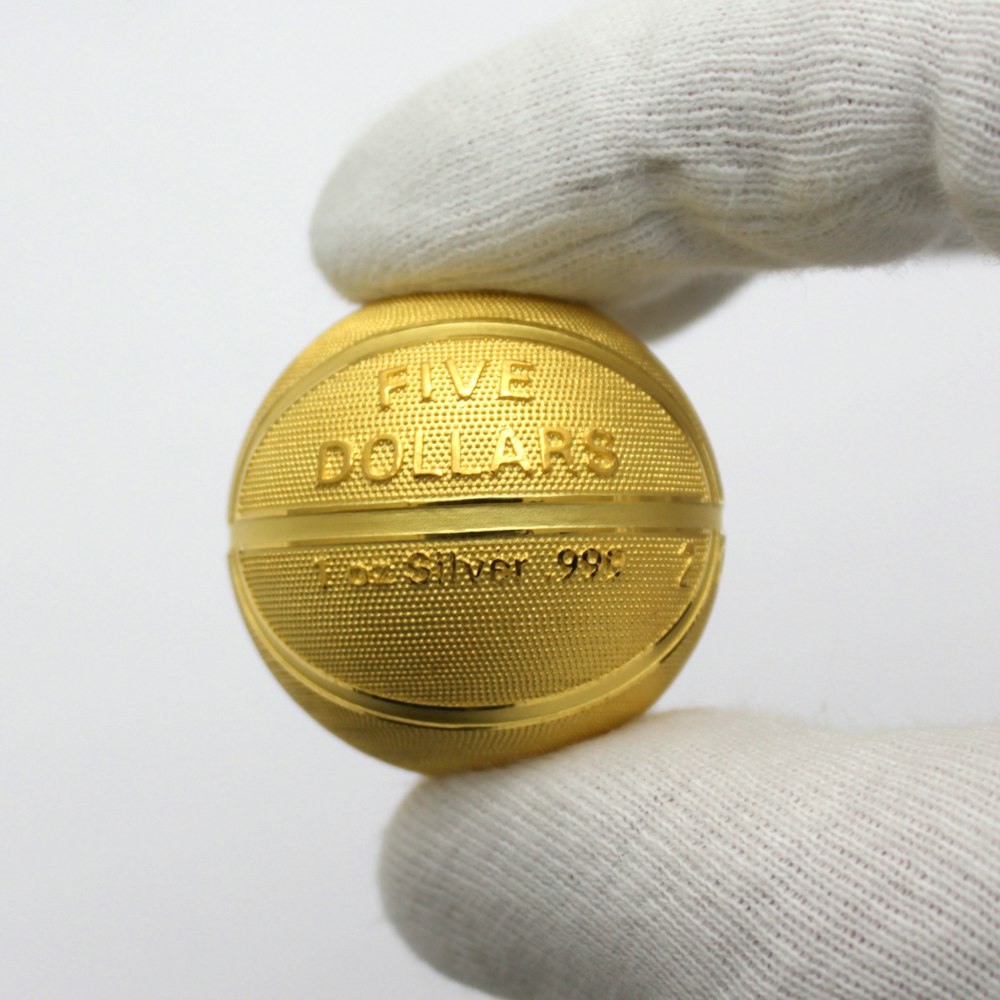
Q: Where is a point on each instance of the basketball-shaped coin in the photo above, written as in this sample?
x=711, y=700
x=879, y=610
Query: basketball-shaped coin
x=467, y=528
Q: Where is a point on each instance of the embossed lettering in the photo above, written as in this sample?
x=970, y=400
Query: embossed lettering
x=472, y=566
x=451, y=568
x=324, y=569
x=334, y=464
x=508, y=439
x=388, y=380
x=562, y=446
x=514, y=385
x=367, y=465
x=602, y=461
x=417, y=568
x=384, y=456
x=464, y=388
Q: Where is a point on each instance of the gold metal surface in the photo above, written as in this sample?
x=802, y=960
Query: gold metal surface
x=471, y=527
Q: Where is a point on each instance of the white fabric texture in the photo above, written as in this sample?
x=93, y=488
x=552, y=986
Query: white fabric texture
x=709, y=855
x=646, y=156
x=646, y=144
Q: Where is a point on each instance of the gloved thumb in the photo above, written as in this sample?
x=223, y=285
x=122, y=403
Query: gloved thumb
x=711, y=855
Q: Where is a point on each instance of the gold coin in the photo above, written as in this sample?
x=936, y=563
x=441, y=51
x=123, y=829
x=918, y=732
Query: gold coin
x=467, y=528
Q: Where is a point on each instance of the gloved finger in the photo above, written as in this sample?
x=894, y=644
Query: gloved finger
x=713, y=856
x=674, y=309
x=632, y=149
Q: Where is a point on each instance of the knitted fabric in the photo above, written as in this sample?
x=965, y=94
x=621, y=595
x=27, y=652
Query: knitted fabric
x=646, y=144
x=708, y=855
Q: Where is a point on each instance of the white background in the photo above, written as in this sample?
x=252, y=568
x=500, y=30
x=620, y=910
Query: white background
x=172, y=824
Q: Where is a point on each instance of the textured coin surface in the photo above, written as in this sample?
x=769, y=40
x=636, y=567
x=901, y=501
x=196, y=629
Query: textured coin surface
x=468, y=528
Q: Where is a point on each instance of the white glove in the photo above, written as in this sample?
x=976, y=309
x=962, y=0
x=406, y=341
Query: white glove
x=644, y=157
x=645, y=145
